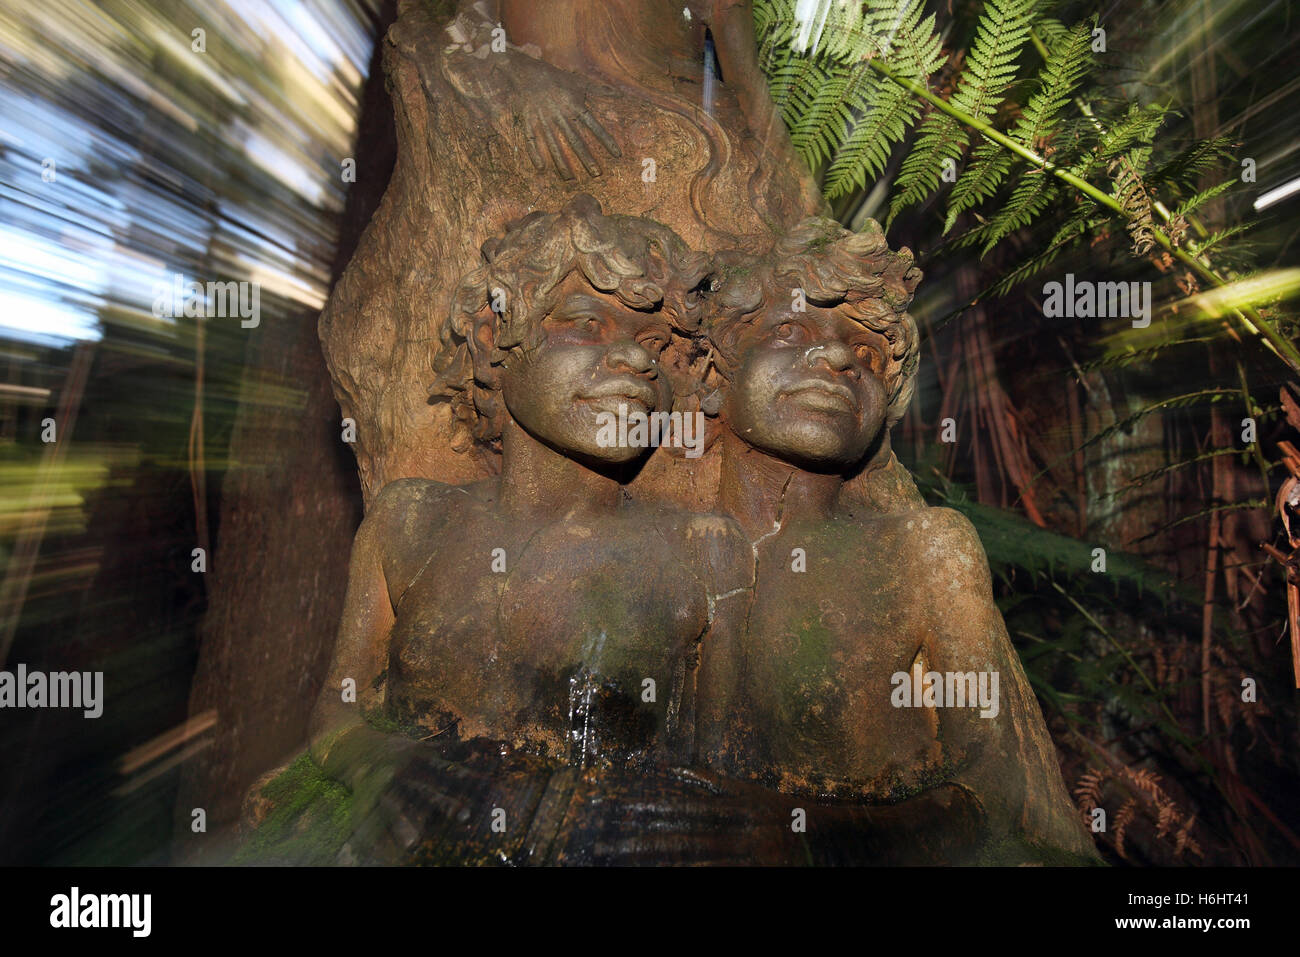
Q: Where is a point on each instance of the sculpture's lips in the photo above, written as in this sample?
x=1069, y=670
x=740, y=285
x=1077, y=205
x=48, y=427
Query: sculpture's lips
x=626, y=391
x=822, y=393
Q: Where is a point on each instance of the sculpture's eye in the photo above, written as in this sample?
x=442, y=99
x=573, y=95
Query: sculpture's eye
x=785, y=331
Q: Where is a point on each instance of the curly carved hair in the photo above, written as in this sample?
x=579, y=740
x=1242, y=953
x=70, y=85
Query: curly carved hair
x=641, y=262
x=858, y=272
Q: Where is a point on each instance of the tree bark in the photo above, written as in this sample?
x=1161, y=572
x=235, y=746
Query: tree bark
x=290, y=504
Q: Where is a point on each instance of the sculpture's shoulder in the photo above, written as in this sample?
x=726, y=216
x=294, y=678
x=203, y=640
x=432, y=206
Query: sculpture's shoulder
x=935, y=533
x=414, y=513
x=950, y=536
x=953, y=578
x=416, y=498
x=930, y=558
x=937, y=538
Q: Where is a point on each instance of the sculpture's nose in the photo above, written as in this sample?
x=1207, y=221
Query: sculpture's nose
x=631, y=356
x=836, y=355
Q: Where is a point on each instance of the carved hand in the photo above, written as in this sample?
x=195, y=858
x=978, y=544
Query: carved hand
x=533, y=105
x=525, y=100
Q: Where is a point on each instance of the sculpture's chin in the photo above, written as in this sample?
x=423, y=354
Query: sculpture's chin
x=614, y=456
x=817, y=449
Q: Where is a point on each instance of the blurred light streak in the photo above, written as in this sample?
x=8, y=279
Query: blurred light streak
x=18, y=573
x=1277, y=195
x=127, y=157
x=1256, y=291
x=151, y=750
x=154, y=165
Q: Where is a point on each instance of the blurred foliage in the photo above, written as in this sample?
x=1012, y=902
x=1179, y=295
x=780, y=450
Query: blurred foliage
x=139, y=141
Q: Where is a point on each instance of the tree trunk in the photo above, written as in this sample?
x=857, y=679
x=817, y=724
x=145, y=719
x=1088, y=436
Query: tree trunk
x=290, y=504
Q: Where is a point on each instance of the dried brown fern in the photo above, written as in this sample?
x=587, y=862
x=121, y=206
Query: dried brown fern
x=1136, y=202
x=1142, y=797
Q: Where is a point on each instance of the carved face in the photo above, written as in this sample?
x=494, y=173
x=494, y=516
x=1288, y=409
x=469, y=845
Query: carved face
x=808, y=388
x=597, y=355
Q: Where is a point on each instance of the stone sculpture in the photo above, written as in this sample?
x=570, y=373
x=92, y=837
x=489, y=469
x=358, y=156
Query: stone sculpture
x=560, y=647
x=875, y=664
x=493, y=609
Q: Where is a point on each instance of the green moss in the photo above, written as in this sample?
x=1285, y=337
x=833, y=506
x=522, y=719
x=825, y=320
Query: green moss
x=1017, y=850
x=813, y=651
x=802, y=679
x=387, y=723
x=309, y=819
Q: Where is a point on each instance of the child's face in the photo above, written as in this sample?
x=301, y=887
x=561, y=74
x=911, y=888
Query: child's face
x=597, y=355
x=808, y=388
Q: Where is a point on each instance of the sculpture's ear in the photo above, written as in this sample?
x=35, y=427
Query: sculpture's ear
x=481, y=330
x=898, y=405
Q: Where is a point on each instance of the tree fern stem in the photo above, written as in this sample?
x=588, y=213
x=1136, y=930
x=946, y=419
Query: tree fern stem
x=998, y=137
x=1255, y=323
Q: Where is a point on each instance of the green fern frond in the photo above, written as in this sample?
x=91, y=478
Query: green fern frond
x=905, y=38
x=1172, y=402
x=794, y=84
x=1190, y=164
x=989, y=166
x=1086, y=217
x=832, y=104
x=939, y=144
x=821, y=124
x=1118, y=359
x=1137, y=126
x=851, y=78
x=1002, y=30
x=1067, y=63
x=1218, y=236
x=1193, y=203
x=833, y=30
x=1072, y=232
x=1033, y=194
x=1250, y=504
x=1051, y=31
x=1146, y=478
x=890, y=112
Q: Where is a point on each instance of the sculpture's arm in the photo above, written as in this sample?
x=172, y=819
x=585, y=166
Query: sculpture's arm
x=733, y=32
x=1011, y=763
x=338, y=731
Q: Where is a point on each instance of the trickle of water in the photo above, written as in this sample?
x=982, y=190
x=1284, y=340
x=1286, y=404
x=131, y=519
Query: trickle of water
x=582, y=691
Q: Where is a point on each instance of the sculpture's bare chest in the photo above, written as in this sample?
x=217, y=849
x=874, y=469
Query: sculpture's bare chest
x=503, y=623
